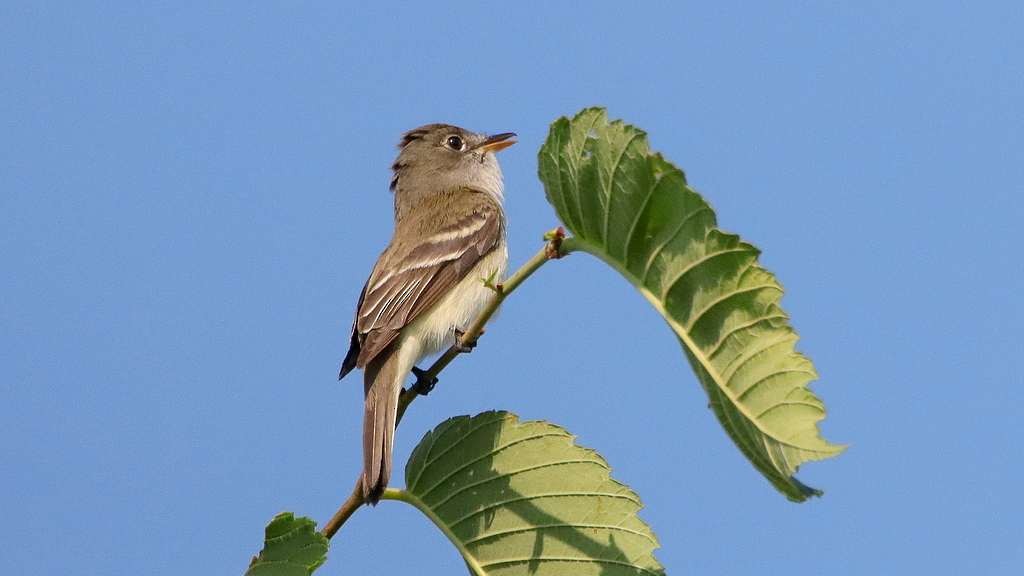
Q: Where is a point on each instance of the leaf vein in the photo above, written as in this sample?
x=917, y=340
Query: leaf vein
x=499, y=504
x=528, y=559
x=472, y=430
x=714, y=349
x=726, y=297
x=636, y=219
x=671, y=237
x=750, y=355
x=494, y=451
x=742, y=394
x=540, y=527
x=611, y=186
x=789, y=403
x=509, y=474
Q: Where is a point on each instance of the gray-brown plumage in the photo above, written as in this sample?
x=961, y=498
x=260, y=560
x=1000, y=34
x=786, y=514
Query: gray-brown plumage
x=428, y=283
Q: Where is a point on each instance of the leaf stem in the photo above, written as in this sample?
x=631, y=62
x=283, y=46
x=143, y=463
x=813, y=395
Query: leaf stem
x=557, y=245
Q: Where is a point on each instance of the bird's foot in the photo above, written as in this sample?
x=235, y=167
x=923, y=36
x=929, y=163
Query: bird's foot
x=464, y=347
x=424, y=381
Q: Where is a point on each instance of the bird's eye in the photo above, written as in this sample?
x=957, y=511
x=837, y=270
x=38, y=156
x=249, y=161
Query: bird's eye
x=455, y=143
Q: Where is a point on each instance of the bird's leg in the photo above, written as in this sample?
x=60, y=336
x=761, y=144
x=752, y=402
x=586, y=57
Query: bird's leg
x=424, y=382
x=464, y=347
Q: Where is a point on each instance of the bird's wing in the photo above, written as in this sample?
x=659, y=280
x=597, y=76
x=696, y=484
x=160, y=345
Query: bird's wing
x=352, y=357
x=408, y=280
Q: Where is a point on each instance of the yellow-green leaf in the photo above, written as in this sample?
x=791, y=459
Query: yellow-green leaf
x=292, y=547
x=634, y=210
x=521, y=498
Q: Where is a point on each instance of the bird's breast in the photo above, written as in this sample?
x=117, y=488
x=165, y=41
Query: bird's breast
x=434, y=330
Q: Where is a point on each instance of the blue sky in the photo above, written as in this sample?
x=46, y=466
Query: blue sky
x=192, y=196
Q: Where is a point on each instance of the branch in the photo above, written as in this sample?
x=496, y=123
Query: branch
x=554, y=248
x=551, y=250
x=348, y=508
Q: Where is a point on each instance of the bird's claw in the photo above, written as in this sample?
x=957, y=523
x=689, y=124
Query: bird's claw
x=424, y=381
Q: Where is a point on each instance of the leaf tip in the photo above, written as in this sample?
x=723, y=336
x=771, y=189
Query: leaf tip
x=291, y=545
x=803, y=491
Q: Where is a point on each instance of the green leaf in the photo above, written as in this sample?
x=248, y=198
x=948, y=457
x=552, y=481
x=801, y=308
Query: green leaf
x=292, y=547
x=634, y=210
x=521, y=498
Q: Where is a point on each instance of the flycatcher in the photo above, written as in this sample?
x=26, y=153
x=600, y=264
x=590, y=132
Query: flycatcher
x=427, y=285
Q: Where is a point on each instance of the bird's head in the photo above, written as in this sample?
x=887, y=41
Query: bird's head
x=440, y=157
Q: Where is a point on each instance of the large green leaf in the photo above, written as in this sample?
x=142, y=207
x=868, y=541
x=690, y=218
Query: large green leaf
x=634, y=210
x=522, y=498
x=292, y=547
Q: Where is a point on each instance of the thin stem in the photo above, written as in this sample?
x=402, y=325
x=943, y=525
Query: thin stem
x=348, y=508
x=557, y=246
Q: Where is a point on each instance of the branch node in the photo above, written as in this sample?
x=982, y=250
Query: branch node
x=553, y=250
x=464, y=344
x=489, y=282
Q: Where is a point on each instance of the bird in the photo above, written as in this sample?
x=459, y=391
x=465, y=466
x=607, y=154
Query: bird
x=429, y=283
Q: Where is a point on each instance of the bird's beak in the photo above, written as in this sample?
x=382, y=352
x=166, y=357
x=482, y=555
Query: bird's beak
x=498, y=142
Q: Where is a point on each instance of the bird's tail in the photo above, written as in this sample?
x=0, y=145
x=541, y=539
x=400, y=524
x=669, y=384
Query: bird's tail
x=383, y=379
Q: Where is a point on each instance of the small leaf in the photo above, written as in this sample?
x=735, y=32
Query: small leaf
x=291, y=547
x=523, y=498
x=634, y=210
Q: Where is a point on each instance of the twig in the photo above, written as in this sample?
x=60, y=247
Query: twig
x=553, y=249
x=348, y=508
